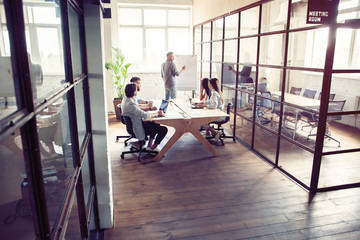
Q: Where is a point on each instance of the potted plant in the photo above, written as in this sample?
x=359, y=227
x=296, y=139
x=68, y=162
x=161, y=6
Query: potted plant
x=120, y=69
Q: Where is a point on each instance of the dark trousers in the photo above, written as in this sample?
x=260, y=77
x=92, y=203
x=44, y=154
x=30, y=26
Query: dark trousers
x=153, y=129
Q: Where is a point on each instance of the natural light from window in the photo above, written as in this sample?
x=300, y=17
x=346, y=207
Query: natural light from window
x=148, y=32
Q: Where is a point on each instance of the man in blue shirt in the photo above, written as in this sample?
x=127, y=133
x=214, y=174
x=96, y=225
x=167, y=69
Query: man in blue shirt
x=143, y=104
x=168, y=74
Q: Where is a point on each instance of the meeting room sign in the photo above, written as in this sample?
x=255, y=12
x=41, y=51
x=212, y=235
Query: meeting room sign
x=322, y=11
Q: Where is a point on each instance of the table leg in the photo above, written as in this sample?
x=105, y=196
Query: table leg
x=204, y=142
x=169, y=144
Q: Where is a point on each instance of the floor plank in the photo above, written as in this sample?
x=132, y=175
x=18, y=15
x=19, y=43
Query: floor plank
x=190, y=194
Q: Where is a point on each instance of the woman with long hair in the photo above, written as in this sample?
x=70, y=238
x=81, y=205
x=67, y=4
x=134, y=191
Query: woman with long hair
x=216, y=100
x=204, y=90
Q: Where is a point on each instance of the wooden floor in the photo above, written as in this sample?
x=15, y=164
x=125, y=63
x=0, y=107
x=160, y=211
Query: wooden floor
x=190, y=194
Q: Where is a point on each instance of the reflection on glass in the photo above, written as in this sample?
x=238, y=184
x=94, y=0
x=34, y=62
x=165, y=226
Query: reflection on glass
x=274, y=15
x=15, y=212
x=75, y=42
x=231, y=26
x=299, y=14
x=347, y=49
x=56, y=153
x=295, y=160
x=130, y=16
x=206, y=32
x=272, y=49
x=248, y=50
x=217, y=29
x=245, y=101
x=155, y=17
x=230, y=51
x=44, y=44
x=307, y=48
x=340, y=169
x=243, y=130
x=249, y=22
x=73, y=226
x=7, y=92
x=217, y=51
x=265, y=142
x=86, y=176
x=80, y=111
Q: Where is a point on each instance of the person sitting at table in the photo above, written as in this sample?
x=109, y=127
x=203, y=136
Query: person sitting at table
x=216, y=100
x=143, y=104
x=130, y=108
x=204, y=89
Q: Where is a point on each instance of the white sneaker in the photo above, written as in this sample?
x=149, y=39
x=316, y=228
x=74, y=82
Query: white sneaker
x=217, y=136
x=156, y=149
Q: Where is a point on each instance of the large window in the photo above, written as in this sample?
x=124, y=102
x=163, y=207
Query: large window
x=146, y=33
x=281, y=84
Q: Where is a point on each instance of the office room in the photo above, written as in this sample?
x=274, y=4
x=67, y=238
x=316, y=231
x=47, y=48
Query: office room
x=285, y=166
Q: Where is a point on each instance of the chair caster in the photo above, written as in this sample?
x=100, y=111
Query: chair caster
x=122, y=156
x=125, y=143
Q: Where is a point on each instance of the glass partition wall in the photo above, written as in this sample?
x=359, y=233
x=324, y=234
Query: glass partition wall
x=47, y=174
x=294, y=87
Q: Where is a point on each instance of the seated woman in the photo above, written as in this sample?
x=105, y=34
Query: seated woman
x=130, y=108
x=204, y=89
x=216, y=100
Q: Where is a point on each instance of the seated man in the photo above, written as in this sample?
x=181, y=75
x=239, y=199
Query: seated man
x=130, y=108
x=144, y=105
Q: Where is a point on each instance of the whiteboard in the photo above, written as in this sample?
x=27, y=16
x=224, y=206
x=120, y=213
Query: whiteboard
x=187, y=80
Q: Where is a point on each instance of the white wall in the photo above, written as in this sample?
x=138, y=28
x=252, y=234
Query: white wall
x=204, y=10
x=95, y=57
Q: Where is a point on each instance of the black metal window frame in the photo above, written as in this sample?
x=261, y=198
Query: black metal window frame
x=327, y=71
x=25, y=120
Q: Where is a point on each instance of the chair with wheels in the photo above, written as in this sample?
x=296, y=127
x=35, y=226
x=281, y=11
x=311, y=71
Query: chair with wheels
x=139, y=146
x=217, y=125
x=128, y=137
x=312, y=118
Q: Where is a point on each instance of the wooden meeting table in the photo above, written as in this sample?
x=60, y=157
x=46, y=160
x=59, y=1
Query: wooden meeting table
x=183, y=118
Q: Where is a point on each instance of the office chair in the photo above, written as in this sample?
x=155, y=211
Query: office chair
x=219, y=124
x=309, y=93
x=128, y=137
x=334, y=106
x=135, y=149
x=295, y=90
x=263, y=104
x=331, y=96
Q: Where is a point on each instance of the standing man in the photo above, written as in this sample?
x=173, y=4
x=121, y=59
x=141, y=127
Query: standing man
x=168, y=74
